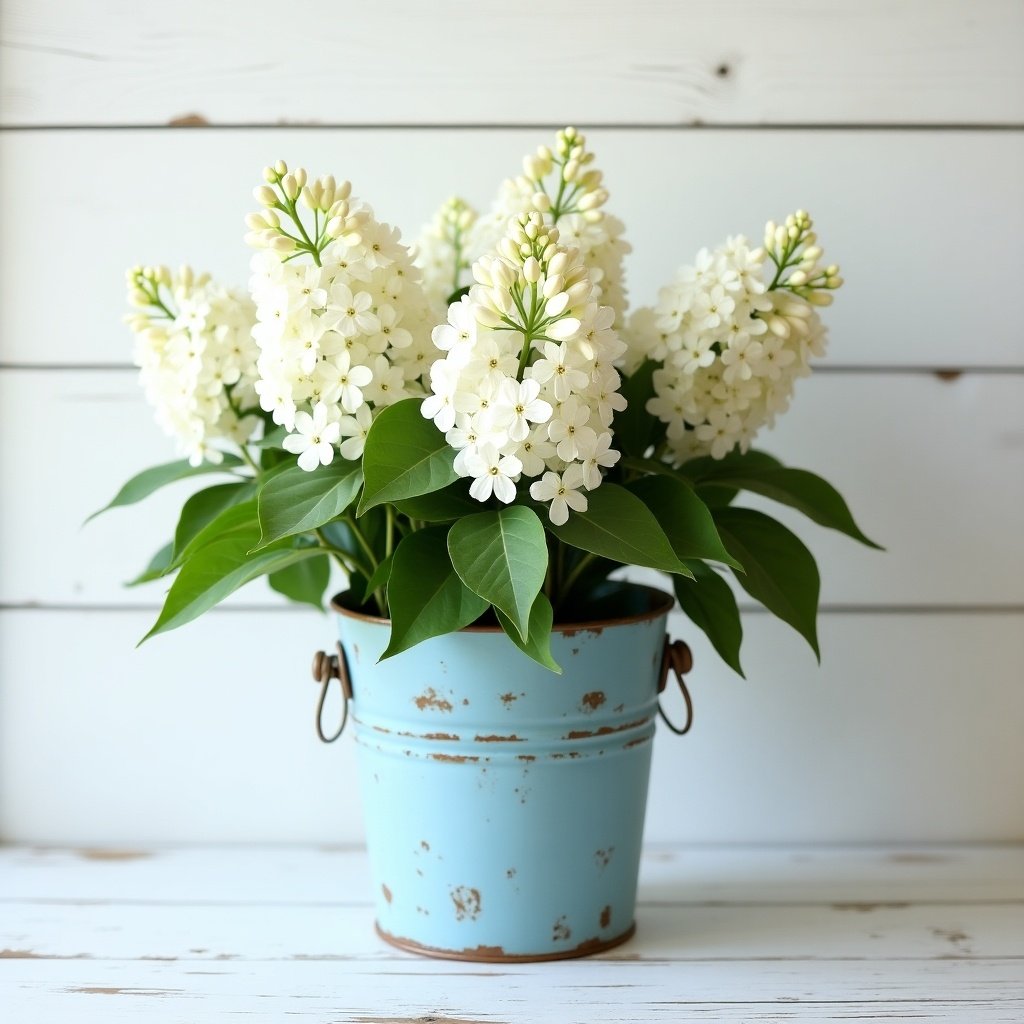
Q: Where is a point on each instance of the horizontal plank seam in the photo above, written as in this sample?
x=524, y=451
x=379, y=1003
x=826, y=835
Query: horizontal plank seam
x=371, y=957
x=473, y=126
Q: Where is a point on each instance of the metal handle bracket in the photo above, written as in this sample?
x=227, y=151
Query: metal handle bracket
x=325, y=668
x=677, y=659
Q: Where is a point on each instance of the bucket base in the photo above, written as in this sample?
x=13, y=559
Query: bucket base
x=496, y=955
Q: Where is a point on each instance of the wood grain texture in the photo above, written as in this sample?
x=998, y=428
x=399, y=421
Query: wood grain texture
x=926, y=228
x=194, y=935
x=784, y=61
x=206, y=735
x=887, y=442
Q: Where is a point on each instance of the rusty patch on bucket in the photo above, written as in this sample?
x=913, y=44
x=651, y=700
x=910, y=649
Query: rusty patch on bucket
x=454, y=758
x=440, y=736
x=604, y=730
x=592, y=701
x=508, y=698
x=499, y=739
x=526, y=757
x=561, y=932
x=467, y=903
x=431, y=699
x=606, y=917
x=636, y=742
x=387, y=893
x=604, y=857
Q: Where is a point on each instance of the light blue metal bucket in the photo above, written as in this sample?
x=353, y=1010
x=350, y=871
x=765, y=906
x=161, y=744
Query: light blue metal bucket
x=504, y=804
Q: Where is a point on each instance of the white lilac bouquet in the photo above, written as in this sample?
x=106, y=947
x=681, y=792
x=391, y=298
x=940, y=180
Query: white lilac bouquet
x=475, y=430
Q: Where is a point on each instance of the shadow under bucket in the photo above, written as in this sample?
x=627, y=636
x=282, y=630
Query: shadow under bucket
x=504, y=804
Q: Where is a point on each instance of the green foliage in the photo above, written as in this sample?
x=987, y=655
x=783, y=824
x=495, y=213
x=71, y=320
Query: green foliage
x=294, y=501
x=538, y=646
x=157, y=567
x=202, y=508
x=451, y=502
x=502, y=556
x=686, y=520
x=709, y=603
x=426, y=596
x=303, y=582
x=619, y=526
x=143, y=484
x=218, y=561
x=779, y=571
x=405, y=456
x=635, y=430
x=808, y=493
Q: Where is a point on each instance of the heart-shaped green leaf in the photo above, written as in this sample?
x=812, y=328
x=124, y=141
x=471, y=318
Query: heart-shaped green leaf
x=405, y=455
x=502, y=556
x=425, y=595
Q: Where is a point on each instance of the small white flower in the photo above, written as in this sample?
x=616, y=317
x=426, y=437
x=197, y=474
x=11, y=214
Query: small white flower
x=516, y=406
x=558, y=367
x=562, y=490
x=351, y=313
x=314, y=439
x=440, y=406
x=601, y=454
x=569, y=430
x=354, y=429
x=493, y=473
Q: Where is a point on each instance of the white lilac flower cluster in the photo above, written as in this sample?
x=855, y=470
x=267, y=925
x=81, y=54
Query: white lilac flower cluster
x=341, y=334
x=574, y=188
x=732, y=333
x=441, y=252
x=196, y=357
x=528, y=386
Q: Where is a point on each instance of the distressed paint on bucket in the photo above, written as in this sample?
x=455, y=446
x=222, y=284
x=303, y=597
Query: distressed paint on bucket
x=504, y=804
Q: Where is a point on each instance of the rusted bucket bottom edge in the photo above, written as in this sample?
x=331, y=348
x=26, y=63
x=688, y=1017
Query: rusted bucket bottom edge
x=496, y=955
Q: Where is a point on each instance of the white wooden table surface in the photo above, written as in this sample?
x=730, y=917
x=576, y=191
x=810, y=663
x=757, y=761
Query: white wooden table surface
x=724, y=934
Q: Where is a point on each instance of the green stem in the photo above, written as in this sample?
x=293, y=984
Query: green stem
x=573, y=577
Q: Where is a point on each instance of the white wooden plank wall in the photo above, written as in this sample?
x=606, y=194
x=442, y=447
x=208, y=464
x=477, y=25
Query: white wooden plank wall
x=897, y=125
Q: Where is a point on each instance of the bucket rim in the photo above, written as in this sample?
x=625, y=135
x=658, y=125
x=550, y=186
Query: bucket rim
x=661, y=601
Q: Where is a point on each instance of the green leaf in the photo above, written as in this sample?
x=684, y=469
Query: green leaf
x=538, y=646
x=380, y=578
x=425, y=595
x=405, y=455
x=143, y=484
x=709, y=603
x=202, y=508
x=635, y=429
x=502, y=556
x=618, y=525
x=303, y=582
x=704, y=468
x=217, y=570
x=452, y=502
x=158, y=566
x=295, y=501
x=457, y=294
x=235, y=519
x=804, y=491
x=779, y=570
x=686, y=520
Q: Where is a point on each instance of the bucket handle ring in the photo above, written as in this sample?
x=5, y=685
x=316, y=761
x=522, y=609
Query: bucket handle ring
x=325, y=668
x=677, y=659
